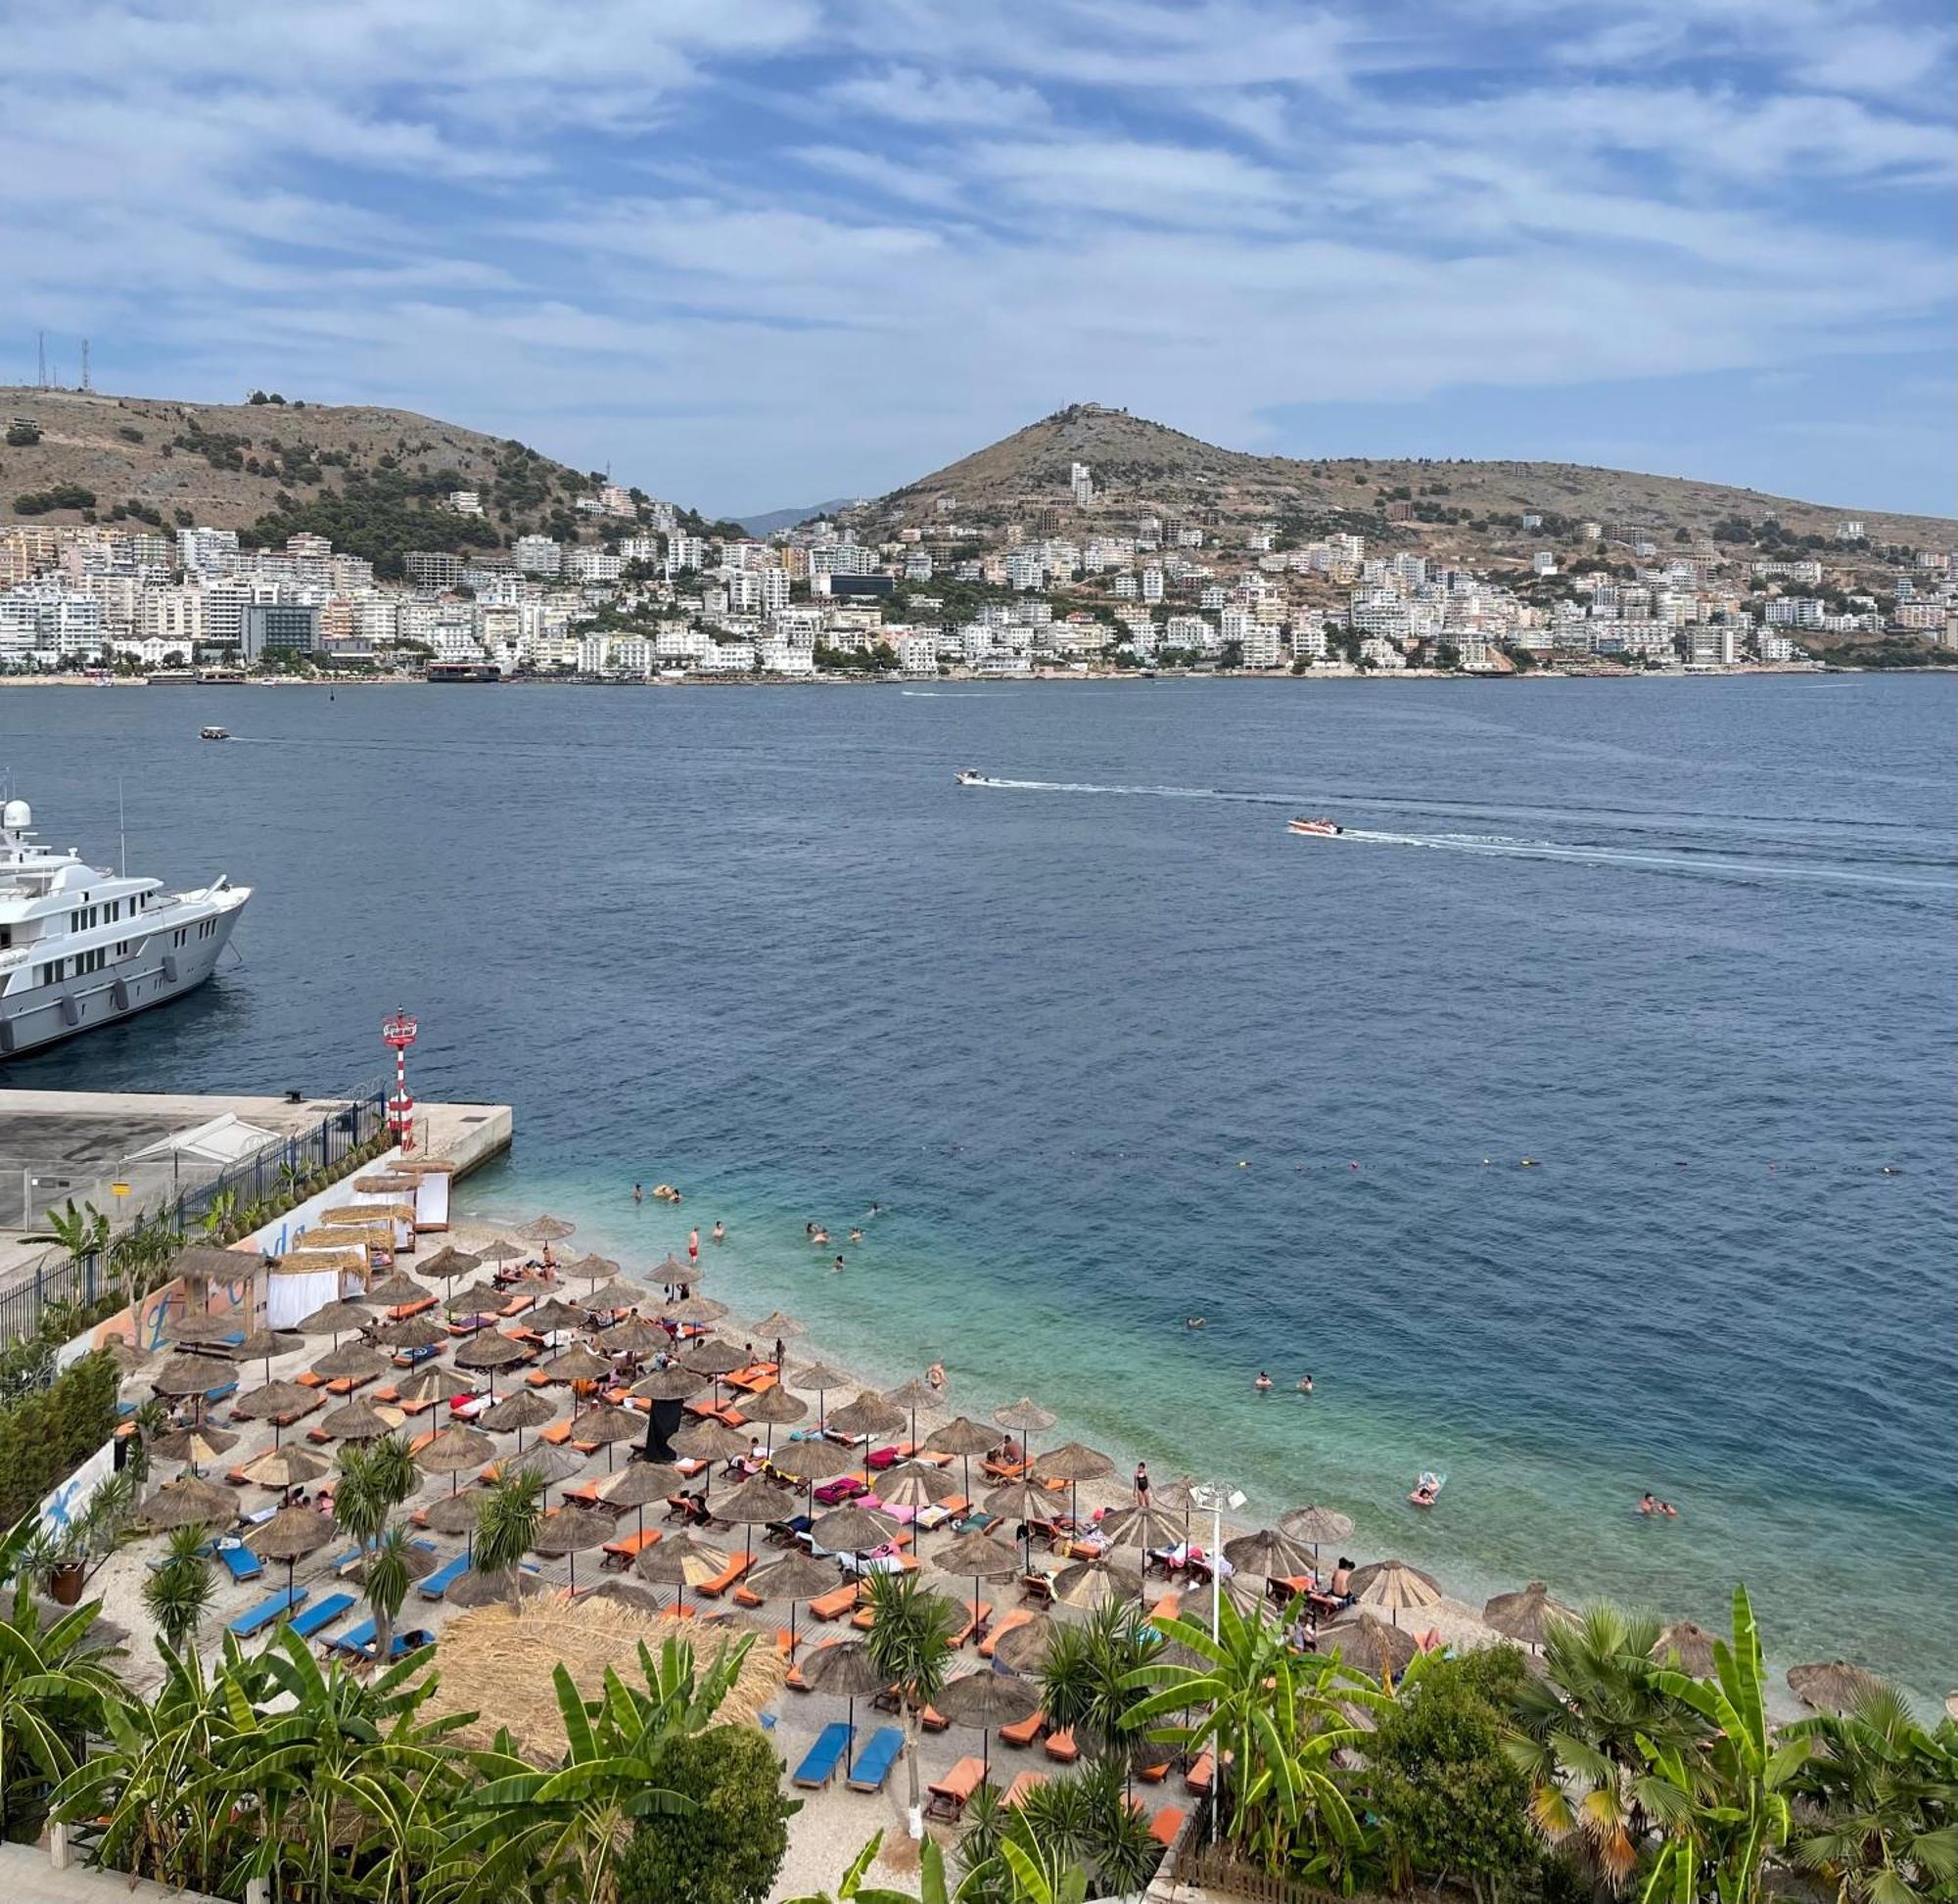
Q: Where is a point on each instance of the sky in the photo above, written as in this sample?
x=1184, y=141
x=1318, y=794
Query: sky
x=751, y=253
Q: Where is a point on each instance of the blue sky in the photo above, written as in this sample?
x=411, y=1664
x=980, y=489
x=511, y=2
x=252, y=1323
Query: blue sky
x=754, y=253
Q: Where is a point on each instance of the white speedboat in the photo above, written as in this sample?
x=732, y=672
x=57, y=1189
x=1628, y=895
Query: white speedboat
x=83, y=946
x=1318, y=829
x=214, y=733
x=968, y=778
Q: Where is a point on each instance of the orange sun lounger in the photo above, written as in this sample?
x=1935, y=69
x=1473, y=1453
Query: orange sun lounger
x=623, y=1553
x=795, y=1677
x=1061, y=1746
x=833, y=1605
x=950, y=1794
x=1199, y=1776
x=1009, y=1622
x=1023, y=1731
x=736, y=1566
x=1021, y=1786
x=1165, y=1825
x=976, y=1614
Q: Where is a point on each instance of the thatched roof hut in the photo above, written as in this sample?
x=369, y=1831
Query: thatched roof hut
x=497, y=1661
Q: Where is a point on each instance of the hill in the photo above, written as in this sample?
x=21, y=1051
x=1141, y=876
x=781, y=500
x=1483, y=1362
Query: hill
x=767, y=520
x=376, y=481
x=1471, y=510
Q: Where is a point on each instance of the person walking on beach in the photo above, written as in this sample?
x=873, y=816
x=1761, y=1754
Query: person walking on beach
x=1142, y=1484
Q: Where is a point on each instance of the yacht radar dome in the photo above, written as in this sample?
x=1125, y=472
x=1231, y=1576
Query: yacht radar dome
x=16, y=815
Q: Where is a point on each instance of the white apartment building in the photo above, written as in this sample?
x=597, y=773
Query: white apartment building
x=466, y=502
x=1080, y=484
x=172, y=615
x=206, y=551
x=1261, y=645
x=590, y=565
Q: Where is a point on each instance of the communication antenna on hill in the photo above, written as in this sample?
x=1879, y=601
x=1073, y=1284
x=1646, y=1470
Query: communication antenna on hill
x=84, y=364
x=41, y=350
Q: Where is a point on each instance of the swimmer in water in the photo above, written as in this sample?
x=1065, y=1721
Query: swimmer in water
x=836, y=1266
x=935, y=1374
x=1192, y=1321
x=1305, y=1384
x=1263, y=1383
x=1647, y=1505
x=719, y=1233
x=809, y=1232
x=638, y=1193
x=856, y=1235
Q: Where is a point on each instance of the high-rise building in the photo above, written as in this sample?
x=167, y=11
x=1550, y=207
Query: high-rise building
x=278, y=628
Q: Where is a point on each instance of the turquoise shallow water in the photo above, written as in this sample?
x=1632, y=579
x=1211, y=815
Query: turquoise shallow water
x=1687, y=943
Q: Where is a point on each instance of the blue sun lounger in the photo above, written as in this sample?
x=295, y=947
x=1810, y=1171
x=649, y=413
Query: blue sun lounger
x=260, y=1616
x=360, y=1641
x=875, y=1761
x=239, y=1561
x=819, y=1762
x=438, y=1584
x=321, y=1613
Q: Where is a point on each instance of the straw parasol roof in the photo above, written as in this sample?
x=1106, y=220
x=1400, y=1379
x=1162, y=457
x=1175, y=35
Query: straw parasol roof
x=207, y=1260
x=126, y=1355
x=497, y=1662
x=191, y=1374
x=549, y=1464
x=773, y=1407
x=961, y=1435
x=699, y=1310
x=818, y=1376
x=571, y=1530
x=1369, y=1644
x=613, y=1295
x=198, y=1329
x=601, y=1423
x=576, y=1364
x=672, y=1385
x=503, y=1250
x=319, y=1262
x=714, y=1358
x=638, y=1484
x=1314, y=1523
x=778, y=1328
x=680, y=1560
x=454, y=1513
x=795, y=1576
x=845, y=1671
x=397, y=1288
x=553, y=1313
x=546, y=1230
x=915, y=1395
x=710, y=1441
x=449, y=1261
x=263, y=1343
x=525, y=1409
x=489, y=1349
x=986, y=1699
x=502, y=1588
x=592, y=1267
x=198, y=1446
x=274, y=1398
x=435, y=1384
x=754, y=1503
x=633, y=1336
x=356, y=1360
x=815, y=1460
x=914, y=1484
x=852, y=1530
x=671, y=1272
x=1686, y=1647
x=1073, y=1462
x=1395, y=1585
x=868, y=1415
x=1026, y=1415
x=359, y=1421
x=412, y=1332
x=291, y=1535
x=285, y=1467
x=1137, y=1529
x=336, y=1319
x=189, y=1500
x=1530, y=1616
x=457, y=1450
x=384, y=1182
x=1834, y=1686
x=1091, y=1584
x=1268, y=1552
x=1024, y=1649
x=474, y=1299
x=978, y=1556
x=1020, y=1500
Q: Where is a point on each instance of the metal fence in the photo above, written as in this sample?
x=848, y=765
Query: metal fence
x=61, y=1278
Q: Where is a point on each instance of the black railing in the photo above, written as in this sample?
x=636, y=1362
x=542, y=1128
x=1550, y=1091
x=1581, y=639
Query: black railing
x=83, y=1280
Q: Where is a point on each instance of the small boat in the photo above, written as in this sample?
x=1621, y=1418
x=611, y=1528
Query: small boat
x=968, y=778
x=214, y=733
x=1321, y=829
x=1427, y=1489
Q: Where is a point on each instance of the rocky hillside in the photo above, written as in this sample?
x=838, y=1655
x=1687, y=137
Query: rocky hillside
x=376, y=481
x=1467, y=509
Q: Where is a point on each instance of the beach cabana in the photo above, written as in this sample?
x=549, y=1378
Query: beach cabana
x=1529, y=1616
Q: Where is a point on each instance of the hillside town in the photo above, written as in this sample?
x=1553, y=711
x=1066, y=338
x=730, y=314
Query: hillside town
x=1089, y=581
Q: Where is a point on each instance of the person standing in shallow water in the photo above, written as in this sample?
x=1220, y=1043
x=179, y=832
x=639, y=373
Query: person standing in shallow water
x=1142, y=1484
x=693, y=1247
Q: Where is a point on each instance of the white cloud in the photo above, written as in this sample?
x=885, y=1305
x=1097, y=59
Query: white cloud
x=937, y=101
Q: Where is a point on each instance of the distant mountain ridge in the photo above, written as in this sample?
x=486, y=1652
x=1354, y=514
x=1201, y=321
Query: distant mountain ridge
x=771, y=520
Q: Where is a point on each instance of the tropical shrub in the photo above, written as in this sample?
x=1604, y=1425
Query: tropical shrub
x=728, y=1848
x=46, y=1434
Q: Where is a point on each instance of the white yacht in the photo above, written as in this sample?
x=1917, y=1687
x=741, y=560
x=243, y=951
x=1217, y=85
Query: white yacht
x=83, y=946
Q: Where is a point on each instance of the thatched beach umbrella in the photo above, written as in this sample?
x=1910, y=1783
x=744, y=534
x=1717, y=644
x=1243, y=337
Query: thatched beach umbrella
x=713, y=1359
x=778, y=1328
x=602, y=1423
x=964, y=1437
x=1139, y=1530
x=336, y=1319
x=454, y=1452
x=489, y=1350
x=755, y=1504
x=553, y=1315
x=1371, y=1645
x=525, y=1409
x=277, y=1402
x=913, y=1485
x=710, y=1441
x=694, y=1312
x=359, y=1421
x=566, y=1532
x=1394, y=1586
x=610, y=1296
x=670, y=1273
x=1831, y=1685
x=1073, y=1464
x=1686, y=1647
x=263, y=1344
x=196, y=1328
x=671, y=1384
x=547, y=1464
x=125, y=1354
x=456, y=1514
x=546, y=1230
x=505, y=1588
x=774, y=1408
x=977, y=1557
x=290, y=1536
x=846, y=1671
x=449, y=1263
x=503, y=1250
x=352, y=1362
x=576, y=1364
x=200, y=1447
x=868, y=1415
x=591, y=1268
x=813, y=1461
x=394, y=1288
x=913, y=1396
x=852, y=1530
x=1026, y=1419
x=1268, y=1552
x=1529, y=1616
x=1313, y=1524
x=795, y=1577
x=680, y=1562
x=821, y=1377
x=192, y=1374
x=474, y=1299
x=633, y=1336
x=411, y=1334
x=1024, y=1649
x=190, y=1500
x=637, y=1485
x=1089, y=1585
x=985, y=1700
x=285, y=1467
x=434, y=1385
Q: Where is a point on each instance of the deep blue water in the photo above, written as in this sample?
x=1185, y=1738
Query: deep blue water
x=1110, y=1045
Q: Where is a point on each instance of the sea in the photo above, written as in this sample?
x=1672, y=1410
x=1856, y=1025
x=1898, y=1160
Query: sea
x=1580, y=1118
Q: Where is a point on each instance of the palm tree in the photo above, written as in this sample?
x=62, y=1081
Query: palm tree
x=385, y=1581
x=507, y=1519
x=1876, y=1811
x=53, y=1689
x=1584, y=1733
x=178, y=1590
x=911, y=1645
x=374, y=1480
x=1087, y=1682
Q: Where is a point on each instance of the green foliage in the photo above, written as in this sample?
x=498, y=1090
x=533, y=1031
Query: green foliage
x=507, y=1519
x=728, y=1848
x=177, y=1593
x=23, y=435
x=46, y=1434
x=911, y=1644
x=1452, y=1803
x=379, y=514
x=59, y=495
x=54, y=1686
